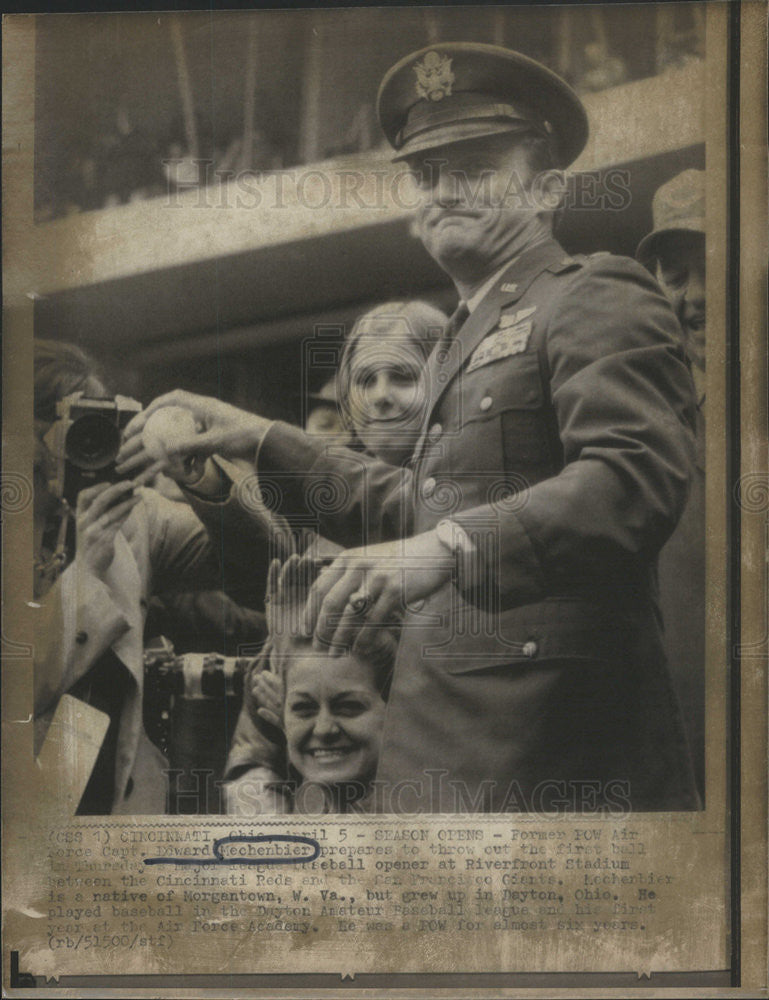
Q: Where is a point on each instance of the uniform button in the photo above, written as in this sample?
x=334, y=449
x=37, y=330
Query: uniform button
x=530, y=649
x=428, y=487
x=81, y=638
x=486, y=403
x=435, y=432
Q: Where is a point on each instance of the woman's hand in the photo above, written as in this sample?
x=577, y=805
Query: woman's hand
x=267, y=692
x=287, y=585
x=224, y=430
x=101, y=512
x=373, y=587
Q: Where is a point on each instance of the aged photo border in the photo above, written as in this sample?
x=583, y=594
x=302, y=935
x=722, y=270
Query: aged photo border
x=745, y=533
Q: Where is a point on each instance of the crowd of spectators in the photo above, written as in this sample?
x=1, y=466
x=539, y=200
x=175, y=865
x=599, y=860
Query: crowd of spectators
x=125, y=161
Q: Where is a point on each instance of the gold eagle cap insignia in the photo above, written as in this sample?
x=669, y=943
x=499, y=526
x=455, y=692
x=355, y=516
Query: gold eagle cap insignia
x=434, y=77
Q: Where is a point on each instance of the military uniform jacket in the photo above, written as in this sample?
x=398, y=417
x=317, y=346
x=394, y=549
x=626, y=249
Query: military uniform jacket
x=558, y=433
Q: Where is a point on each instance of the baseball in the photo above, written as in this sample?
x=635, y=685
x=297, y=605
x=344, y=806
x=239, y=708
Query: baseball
x=165, y=429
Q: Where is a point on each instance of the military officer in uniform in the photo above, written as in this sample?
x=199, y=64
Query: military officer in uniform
x=554, y=462
x=675, y=251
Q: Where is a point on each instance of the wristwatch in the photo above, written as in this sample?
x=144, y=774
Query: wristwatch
x=470, y=569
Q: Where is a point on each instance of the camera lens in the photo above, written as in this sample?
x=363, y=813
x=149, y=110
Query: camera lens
x=92, y=442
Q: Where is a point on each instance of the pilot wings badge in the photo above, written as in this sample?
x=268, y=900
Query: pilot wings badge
x=434, y=77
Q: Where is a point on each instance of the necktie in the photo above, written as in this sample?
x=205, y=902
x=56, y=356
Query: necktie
x=441, y=352
x=456, y=321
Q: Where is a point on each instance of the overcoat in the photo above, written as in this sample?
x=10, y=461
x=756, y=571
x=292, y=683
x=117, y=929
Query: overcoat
x=558, y=433
x=84, y=619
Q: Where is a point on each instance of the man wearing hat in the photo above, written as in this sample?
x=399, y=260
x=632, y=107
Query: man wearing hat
x=553, y=464
x=675, y=251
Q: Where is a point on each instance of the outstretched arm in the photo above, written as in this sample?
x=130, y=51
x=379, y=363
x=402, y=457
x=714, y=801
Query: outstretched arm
x=348, y=498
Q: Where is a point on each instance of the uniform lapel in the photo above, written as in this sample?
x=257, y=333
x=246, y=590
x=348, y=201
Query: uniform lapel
x=449, y=358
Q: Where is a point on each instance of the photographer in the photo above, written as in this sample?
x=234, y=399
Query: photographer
x=95, y=570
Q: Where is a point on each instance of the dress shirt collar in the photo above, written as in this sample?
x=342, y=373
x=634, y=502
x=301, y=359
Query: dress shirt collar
x=475, y=300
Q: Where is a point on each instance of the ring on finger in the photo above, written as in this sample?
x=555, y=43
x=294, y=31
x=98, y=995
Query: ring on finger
x=360, y=603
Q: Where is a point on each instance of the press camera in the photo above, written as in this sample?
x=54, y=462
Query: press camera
x=85, y=441
x=191, y=702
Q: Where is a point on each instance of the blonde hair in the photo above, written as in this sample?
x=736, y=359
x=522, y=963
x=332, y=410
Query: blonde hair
x=416, y=322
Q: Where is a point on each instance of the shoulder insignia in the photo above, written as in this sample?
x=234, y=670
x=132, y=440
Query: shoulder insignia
x=567, y=264
x=509, y=286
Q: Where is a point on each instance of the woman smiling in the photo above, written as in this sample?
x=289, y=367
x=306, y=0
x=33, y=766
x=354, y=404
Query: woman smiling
x=381, y=376
x=329, y=711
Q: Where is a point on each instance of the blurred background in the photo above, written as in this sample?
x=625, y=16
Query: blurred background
x=147, y=124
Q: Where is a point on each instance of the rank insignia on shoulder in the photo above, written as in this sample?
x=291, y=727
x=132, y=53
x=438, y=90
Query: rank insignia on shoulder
x=566, y=264
x=505, y=342
x=509, y=286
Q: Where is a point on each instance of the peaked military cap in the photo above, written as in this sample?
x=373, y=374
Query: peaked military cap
x=678, y=206
x=456, y=91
